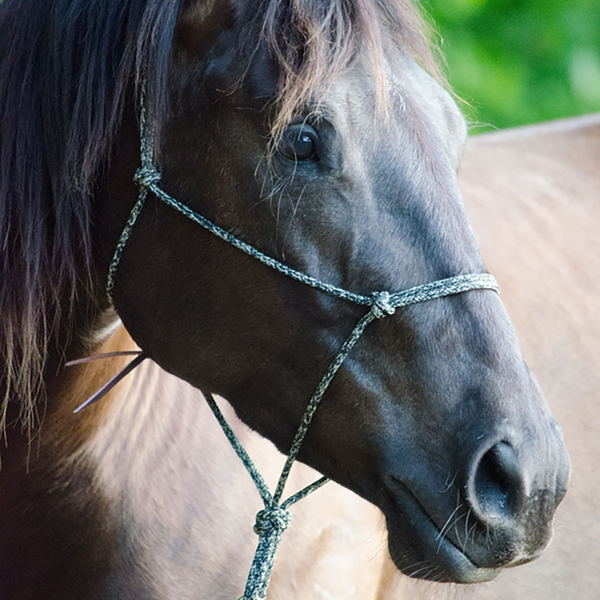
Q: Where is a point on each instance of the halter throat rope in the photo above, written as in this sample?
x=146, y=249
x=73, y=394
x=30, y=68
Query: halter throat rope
x=274, y=519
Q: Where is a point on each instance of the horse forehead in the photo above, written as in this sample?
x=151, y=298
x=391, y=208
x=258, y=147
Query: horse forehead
x=414, y=107
x=432, y=114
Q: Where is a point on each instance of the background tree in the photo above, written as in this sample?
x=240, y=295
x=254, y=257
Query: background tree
x=521, y=61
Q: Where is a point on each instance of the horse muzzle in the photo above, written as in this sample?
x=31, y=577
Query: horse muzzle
x=497, y=514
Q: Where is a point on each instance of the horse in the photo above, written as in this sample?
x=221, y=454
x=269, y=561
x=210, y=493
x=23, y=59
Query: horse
x=320, y=140
x=533, y=200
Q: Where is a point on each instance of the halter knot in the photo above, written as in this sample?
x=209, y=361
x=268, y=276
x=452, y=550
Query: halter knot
x=146, y=176
x=275, y=519
x=381, y=305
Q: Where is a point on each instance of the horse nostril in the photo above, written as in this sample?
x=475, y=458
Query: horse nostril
x=498, y=483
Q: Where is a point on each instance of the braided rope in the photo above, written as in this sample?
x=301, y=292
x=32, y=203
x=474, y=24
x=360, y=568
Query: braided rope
x=146, y=177
x=275, y=518
x=271, y=522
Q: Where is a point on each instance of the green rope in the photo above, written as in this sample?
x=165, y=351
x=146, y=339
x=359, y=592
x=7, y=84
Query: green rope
x=274, y=519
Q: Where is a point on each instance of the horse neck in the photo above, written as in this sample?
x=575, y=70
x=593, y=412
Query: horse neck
x=55, y=541
x=186, y=505
x=148, y=500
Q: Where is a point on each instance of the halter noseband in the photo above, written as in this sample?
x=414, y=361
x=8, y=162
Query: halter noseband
x=274, y=519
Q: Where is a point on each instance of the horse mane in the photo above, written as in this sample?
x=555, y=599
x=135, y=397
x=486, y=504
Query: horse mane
x=66, y=69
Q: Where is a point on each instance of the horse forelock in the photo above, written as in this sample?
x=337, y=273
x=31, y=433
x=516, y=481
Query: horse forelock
x=313, y=43
x=66, y=69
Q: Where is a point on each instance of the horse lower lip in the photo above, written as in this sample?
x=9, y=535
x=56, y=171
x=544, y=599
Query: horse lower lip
x=444, y=561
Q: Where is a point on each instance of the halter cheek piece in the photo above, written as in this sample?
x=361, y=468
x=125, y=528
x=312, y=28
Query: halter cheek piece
x=274, y=519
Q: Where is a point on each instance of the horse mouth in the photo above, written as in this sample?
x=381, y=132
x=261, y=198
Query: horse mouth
x=420, y=549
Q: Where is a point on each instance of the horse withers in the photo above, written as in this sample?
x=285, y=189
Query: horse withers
x=310, y=132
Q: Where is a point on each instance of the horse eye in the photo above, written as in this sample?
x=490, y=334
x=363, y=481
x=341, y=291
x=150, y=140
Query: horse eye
x=298, y=142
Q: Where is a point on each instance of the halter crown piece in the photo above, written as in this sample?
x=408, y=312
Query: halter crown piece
x=274, y=519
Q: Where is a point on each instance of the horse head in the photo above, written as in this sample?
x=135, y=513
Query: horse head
x=310, y=131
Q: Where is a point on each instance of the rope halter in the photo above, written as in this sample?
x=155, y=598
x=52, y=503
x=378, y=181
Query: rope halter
x=275, y=518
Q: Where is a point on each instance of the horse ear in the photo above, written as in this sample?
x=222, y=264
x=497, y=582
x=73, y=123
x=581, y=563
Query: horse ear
x=199, y=22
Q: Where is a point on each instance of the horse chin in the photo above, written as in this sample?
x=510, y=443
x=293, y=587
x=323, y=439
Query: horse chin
x=421, y=550
x=448, y=565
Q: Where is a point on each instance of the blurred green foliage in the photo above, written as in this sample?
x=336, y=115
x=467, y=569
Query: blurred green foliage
x=521, y=61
